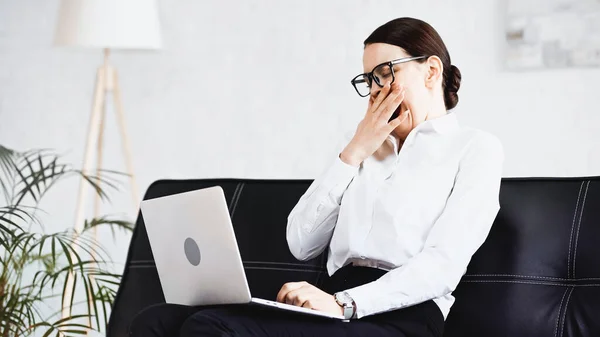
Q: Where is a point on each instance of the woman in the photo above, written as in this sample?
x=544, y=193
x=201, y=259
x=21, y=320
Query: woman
x=402, y=208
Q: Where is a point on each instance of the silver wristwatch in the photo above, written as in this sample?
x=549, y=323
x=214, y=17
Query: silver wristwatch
x=346, y=302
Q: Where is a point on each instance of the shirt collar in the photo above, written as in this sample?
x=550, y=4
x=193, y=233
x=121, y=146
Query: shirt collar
x=441, y=125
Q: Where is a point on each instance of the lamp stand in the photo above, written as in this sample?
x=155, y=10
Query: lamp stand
x=106, y=82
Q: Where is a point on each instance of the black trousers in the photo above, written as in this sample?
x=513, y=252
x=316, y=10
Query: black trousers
x=170, y=320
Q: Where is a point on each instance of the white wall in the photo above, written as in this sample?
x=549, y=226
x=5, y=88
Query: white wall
x=260, y=89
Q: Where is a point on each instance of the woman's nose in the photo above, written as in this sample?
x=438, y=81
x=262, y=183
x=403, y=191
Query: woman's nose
x=375, y=89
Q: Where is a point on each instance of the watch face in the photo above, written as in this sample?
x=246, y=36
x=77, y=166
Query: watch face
x=343, y=298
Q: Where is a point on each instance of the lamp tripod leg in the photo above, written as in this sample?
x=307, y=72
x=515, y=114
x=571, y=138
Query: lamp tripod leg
x=125, y=139
x=93, y=132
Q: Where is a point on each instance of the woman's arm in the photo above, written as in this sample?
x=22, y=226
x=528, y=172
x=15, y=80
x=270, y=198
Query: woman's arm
x=457, y=234
x=311, y=222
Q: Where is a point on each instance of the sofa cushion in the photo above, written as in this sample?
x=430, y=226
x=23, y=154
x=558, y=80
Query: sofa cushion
x=259, y=210
x=537, y=274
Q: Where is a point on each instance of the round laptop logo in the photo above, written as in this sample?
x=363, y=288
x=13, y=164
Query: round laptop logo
x=192, y=252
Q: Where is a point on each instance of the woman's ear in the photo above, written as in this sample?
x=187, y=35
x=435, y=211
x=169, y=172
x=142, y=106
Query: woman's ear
x=435, y=70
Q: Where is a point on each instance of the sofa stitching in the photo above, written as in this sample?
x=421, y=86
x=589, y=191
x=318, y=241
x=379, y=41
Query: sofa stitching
x=233, y=199
x=535, y=277
x=236, y=193
x=572, y=228
x=284, y=269
x=565, y=312
x=533, y=282
x=286, y=266
x=235, y=202
x=558, y=314
x=579, y=226
x=250, y=267
x=283, y=263
x=249, y=261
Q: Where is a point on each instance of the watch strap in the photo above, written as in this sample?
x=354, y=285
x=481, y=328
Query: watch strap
x=348, y=310
x=348, y=307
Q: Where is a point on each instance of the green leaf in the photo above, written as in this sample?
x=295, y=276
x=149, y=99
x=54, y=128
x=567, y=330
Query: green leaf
x=62, y=321
x=7, y=166
x=35, y=181
x=5, y=215
x=92, y=298
x=25, y=179
x=64, y=325
x=105, y=221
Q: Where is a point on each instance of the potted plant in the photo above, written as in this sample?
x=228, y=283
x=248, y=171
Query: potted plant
x=35, y=266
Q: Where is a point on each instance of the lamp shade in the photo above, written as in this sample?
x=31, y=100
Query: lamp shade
x=114, y=24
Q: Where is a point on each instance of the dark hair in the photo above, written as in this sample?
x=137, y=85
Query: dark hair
x=418, y=38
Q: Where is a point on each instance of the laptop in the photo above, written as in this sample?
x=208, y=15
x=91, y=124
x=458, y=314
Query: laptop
x=196, y=253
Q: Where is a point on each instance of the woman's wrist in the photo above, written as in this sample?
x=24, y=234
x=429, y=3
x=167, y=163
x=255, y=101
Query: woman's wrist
x=350, y=157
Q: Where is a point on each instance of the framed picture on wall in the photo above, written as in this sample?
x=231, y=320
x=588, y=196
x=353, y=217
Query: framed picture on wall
x=552, y=34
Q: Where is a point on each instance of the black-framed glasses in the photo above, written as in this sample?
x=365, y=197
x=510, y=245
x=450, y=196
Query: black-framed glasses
x=381, y=74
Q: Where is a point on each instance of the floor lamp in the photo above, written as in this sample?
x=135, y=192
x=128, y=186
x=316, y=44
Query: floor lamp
x=105, y=25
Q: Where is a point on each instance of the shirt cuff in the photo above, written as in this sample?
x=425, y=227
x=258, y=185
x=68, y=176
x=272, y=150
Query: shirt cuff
x=360, y=296
x=337, y=178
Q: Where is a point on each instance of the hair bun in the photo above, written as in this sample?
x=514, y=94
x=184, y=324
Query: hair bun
x=451, y=87
x=453, y=82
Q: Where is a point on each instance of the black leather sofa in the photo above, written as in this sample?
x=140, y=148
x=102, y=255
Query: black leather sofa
x=537, y=275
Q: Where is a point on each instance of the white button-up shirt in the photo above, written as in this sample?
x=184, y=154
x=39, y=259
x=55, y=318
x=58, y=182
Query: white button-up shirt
x=422, y=211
